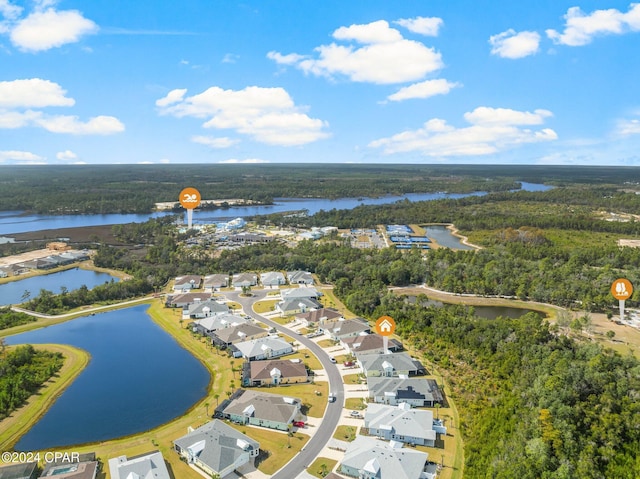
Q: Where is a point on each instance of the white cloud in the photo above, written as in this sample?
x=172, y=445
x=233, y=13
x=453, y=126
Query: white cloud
x=580, y=28
x=628, y=127
x=99, y=125
x=491, y=131
x=385, y=56
x=66, y=155
x=428, y=26
x=33, y=93
x=248, y=160
x=230, y=58
x=513, y=45
x=10, y=13
x=218, y=143
x=21, y=157
x=50, y=28
x=268, y=115
x=13, y=119
x=424, y=89
x=165, y=161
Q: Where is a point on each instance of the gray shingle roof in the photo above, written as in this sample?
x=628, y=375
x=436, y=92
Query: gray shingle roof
x=409, y=388
x=147, y=466
x=288, y=369
x=270, y=407
x=399, y=361
x=223, y=445
x=398, y=463
x=256, y=347
x=402, y=421
x=241, y=331
x=293, y=304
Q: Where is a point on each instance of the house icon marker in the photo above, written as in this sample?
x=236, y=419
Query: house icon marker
x=385, y=326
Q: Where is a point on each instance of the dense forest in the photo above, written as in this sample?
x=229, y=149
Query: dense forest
x=9, y=319
x=22, y=371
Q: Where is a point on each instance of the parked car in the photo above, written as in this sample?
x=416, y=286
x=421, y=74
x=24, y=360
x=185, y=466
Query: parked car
x=354, y=414
x=348, y=364
x=298, y=423
x=331, y=397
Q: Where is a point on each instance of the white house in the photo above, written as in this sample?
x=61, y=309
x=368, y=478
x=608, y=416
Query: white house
x=401, y=423
x=262, y=348
x=146, y=465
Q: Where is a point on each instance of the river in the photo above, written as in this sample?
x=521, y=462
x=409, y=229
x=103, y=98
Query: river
x=12, y=222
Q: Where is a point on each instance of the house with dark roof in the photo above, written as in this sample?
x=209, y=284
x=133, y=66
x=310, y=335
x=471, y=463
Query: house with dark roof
x=236, y=334
x=187, y=283
x=418, y=392
x=272, y=278
x=401, y=423
x=274, y=372
x=149, y=465
x=242, y=280
x=184, y=299
x=262, y=409
x=370, y=458
x=23, y=470
x=217, y=448
x=347, y=328
x=318, y=316
x=291, y=306
x=390, y=365
x=369, y=344
x=39, y=263
x=299, y=277
x=214, y=282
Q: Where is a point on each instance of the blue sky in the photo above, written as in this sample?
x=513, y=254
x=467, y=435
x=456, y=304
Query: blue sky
x=357, y=81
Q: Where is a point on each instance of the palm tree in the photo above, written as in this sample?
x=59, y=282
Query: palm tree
x=206, y=405
x=233, y=371
x=217, y=396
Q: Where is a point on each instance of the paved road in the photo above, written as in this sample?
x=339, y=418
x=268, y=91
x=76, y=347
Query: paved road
x=334, y=410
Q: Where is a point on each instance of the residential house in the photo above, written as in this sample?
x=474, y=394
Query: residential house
x=401, y=423
x=207, y=326
x=271, y=279
x=418, y=392
x=217, y=448
x=251, y=238
x=293, y=306
x=3, y=273
x=236, y=334
x=301, y=292
x=299, y=277
x=204, y=309
x=148, y=465
x=262, y=409
x=370, y=458
x=369, y=344
x=15, y=269
x=318, y=316
x=390, y=365
x=214, y=282
x=277, y=371
x=262, y=348
x=39, y=263
x=347, y=328
x=23, y=470
x=243, y=280
x=86, y=467
x=187, y=283
x=184, y=299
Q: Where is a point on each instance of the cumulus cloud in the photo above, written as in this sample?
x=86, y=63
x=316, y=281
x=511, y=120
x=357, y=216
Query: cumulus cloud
x=377, y=54
x=19, y=98
x=217, y=143
x=428, y=26
x=580, y=28
x=267, y=115
x=32, y=93
x=10, y=14
x=47, y=28
x=248, y=160
x=14, y=156
x=424, y=89
x=512, y=44
x=628, y=127
x=492, y=130
x=66, y=155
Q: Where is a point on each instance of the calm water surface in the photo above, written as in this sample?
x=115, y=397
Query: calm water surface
x=15, y=222
x=138, y=378
x=12, y=293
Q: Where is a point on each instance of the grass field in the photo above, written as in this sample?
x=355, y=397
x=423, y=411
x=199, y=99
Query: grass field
x=315, y=403
x=321, y=467
x=345, y=433
x=266, y=306
x=357, y=404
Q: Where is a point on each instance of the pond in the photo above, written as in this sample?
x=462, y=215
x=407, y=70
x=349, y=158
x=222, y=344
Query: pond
x=14, y=291
x=487, y=312
x=138, y=378
x=444, y=237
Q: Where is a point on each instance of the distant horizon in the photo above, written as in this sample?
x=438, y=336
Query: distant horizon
x=373, y=82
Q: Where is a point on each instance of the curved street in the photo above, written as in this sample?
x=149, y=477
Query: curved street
x=333, y=411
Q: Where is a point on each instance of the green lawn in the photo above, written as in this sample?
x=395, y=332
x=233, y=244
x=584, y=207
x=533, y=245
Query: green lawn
x=352, y=378
x=316, y=468
x=308, y=358
x=307, y=392
x=345, y=433
x=356, y=404
x=266, y=306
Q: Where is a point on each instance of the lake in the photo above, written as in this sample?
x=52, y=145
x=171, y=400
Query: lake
x=443, y=236
x=487, y=312
x=11, y=293
x=138, y=378
x=16, y=222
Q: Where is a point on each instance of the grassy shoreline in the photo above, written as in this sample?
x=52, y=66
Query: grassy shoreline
x=22, y=419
